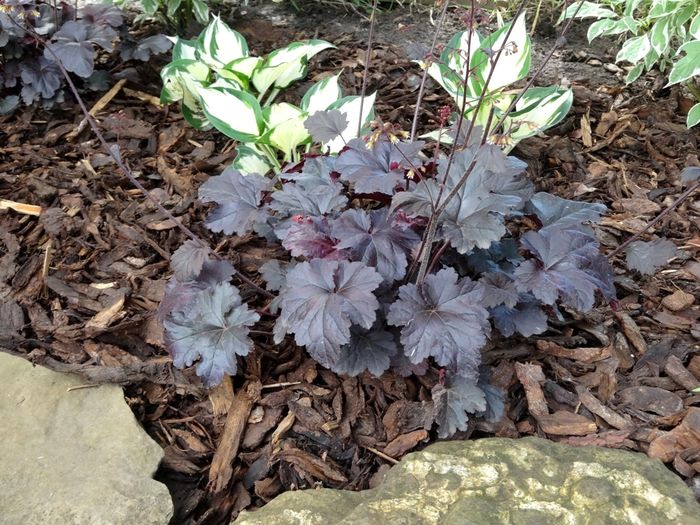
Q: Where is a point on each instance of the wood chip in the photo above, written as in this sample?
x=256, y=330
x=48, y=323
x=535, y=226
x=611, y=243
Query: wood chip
x=651, y=399
x=684, y=436
x=675, y=370
x=405, y=442
x=678, y=300
x=631, y=331
x=563, y=423
x=222, y=464
x=585, y=355
x=321, y=470
x=531, y=377
x=611, y=417
x=20, y=207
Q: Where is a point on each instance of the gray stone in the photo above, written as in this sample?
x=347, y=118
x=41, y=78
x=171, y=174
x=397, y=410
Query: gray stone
x=500, y=482
x=73, y=456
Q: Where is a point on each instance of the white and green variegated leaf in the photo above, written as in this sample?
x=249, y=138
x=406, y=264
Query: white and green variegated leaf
x=149, y=7
x=634, y=73
x=350, y=107
x=459, y=51
x=660, y=34
x=631, y=6
x=227, y=83
x=447, y=78
x=688, y=66
x=183, y=49
x=661, y=8
x=201, y=11
x=694, y=29
x=284, y=66
x=172, y=7
x=285, y=123
x=235, y=113
x=321, y=95
x=599, y=28
x=249, y=159
x=243, y=67
x=627, y=23
x=195, y=117
x=634, y=49
x=218, y=44
x=174, y=76
x=693, y=116
x=587, y=10
x=540, y=108
x=513, y=63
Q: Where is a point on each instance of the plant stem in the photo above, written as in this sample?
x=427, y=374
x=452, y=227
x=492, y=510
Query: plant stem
x=424, y=78
x=368, y=58
x=693, y=88
x=683, y=196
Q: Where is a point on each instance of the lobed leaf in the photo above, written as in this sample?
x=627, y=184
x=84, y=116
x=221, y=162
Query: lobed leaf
x=238, y=197
x=369, y=350
x=455, y=399
x=214, y=330
x=321, y=300
x=325, y=126
x=188, y=260
x=442, y=318
x=373, y=238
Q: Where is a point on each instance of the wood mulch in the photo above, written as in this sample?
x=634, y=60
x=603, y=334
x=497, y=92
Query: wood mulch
x=79, y=285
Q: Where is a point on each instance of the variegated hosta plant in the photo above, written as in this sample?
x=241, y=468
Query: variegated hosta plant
x=469, y=63
x=219, y=84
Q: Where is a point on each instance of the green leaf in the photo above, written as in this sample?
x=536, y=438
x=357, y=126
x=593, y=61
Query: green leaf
x=183, y=49
x=219, y=44
x=587, y=10
x=540, y=108
x=688, y=66
x=285, y=123
x=634, y=49
x=631, y=7
x=201, y=11
x=350, y=107
x=244, y=66
x=172, y=6
x=321, y=95
x=249, y=159
x=235, y=113
x=149, y=7
x=448, y=79
x=695, y=27
x=693, y=116
x=284, y=66
x=650, y=59
x=634, y=73
x=513, y=63
x=660, y=35
x=454, y=56
x=601, y=27
x=175, y=75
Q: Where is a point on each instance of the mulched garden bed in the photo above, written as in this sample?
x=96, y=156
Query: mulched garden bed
x=80, y=285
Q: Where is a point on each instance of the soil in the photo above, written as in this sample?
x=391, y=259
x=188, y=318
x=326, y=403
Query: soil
x=88, y=274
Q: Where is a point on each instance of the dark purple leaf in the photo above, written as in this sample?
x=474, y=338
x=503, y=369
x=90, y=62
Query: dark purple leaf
x=144, y=48
x=187, y=261
x=102, y=14
x=455, y=399
x=475, y=216
x=442, y=318
x=402, y=365
x=311, y=238
x=73, y=45
x=565, y=213
x=274, y=273
x=500, y=256
x=238, y=197
x=368, y=350
x=378, y=169
x=324, y=126
x=43, y=75
x=179, y=294
x=314, y=201
x=321, y=300
x=498, y=289
x=316, y=171
x=646, y=257
x=373, y=239
x=559, y=272
x=212, y=329
x=526, y=318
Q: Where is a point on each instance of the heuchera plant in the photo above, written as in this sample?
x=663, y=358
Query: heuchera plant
x=73, y=38
x=396, y=260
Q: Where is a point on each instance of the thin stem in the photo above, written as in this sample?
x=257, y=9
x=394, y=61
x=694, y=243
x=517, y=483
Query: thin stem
x=424, y=78
x=127, y=172
x=682, y=197
x=368, y=57
x=693, y=88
